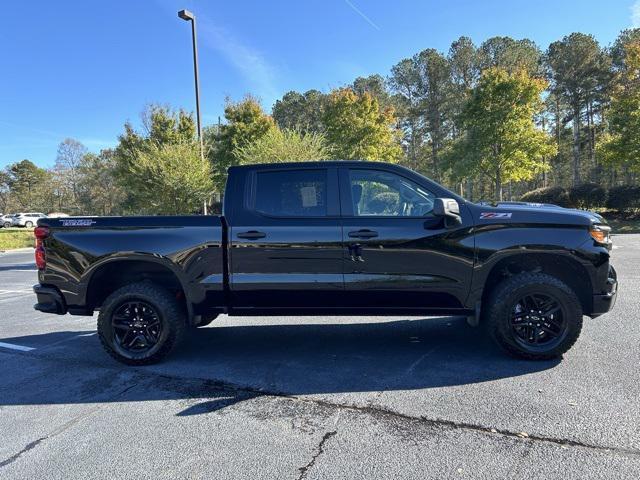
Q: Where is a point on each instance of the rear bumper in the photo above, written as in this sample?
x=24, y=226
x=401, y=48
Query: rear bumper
x=602, y=303
x=50, y=300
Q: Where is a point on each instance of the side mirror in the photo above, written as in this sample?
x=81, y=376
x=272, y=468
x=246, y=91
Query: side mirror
x=449, y=209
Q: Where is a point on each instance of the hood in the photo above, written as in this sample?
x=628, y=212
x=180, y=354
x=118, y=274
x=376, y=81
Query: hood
x=539, y=213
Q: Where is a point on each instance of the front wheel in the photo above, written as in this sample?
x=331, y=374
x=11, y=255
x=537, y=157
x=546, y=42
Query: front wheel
x=534, y=316
x=29, y=224
x=140, y=324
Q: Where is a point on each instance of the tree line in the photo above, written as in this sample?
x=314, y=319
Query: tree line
x=491, y=121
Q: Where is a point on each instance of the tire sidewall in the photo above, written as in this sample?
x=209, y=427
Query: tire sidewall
x=502, y=310
x=106, y=331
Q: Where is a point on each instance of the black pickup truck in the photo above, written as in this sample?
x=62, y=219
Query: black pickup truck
x=331, y=238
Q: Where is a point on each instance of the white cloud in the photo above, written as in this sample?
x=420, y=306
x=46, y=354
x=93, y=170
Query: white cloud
x=251, y=63
x=635, y=14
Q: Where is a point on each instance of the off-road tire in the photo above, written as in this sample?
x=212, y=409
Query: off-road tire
x=503, y=298
x=171, y=314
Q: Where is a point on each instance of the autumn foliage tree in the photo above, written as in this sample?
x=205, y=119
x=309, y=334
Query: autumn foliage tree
x=357, y=128
x=622, y=146
x=278, y=146
x=502, y=139
x=471, y=118
x=246, y=123
x=161, y=168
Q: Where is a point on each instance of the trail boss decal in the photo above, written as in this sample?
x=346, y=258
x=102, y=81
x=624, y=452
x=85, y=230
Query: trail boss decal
x=492, y=215
x=77, y=223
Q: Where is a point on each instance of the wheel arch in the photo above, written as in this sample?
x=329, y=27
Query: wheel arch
x=113, y=273
x=563, y=267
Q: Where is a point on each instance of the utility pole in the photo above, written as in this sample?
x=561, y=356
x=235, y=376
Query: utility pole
x=190, y=17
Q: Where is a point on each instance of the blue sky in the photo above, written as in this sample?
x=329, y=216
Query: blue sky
x=80, y=69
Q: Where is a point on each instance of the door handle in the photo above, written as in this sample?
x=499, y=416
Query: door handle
x=252, y=235
x=363, y=234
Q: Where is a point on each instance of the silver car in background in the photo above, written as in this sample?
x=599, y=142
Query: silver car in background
x=28, y=220
x=6, y=221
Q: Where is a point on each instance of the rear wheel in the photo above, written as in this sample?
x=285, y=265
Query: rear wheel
x=534, y=316
x=28, y=224
x=140, y=324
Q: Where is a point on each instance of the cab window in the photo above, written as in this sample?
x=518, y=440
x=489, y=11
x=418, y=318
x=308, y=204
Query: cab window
x=292, y=193
x=380, y=193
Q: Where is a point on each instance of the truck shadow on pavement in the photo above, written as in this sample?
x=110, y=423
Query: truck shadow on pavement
x=224, y=365
x=21, y=267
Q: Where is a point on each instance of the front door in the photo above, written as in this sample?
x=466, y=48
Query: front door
x=286, y=241
x=398, y=254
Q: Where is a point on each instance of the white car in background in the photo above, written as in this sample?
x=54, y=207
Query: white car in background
x=57, y=215
x=6, y=221
x=28, y=220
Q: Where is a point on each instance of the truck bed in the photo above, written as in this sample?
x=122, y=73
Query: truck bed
x=83, y=252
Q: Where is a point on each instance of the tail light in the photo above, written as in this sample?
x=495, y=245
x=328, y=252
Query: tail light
x=41, y=258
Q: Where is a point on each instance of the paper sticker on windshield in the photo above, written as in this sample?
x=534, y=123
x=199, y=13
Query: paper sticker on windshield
x=77, y=222
x=492, y=215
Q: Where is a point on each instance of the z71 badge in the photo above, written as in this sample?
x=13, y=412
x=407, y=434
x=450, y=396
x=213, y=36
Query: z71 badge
x=492, y=215
x=77, y=222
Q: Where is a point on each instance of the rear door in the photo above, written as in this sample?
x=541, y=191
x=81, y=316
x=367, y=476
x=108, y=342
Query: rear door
x=286, y=240
x=398, y=254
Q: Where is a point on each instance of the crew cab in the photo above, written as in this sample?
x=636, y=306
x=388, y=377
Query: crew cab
x=330, y=238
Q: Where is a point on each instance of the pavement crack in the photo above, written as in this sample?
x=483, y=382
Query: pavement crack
x=454, y=425
x=27, y=447
x=319, y=451
x=376, y=411
x=65, y=426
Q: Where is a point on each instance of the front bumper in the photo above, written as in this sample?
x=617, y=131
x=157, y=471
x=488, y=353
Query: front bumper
x=50, y=300
x=602, y=303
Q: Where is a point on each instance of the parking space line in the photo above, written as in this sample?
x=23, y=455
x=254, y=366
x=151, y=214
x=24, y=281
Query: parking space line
x=7, y=297
x=13, y=346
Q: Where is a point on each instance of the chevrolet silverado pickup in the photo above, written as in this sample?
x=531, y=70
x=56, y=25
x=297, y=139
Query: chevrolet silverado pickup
x=330, y=238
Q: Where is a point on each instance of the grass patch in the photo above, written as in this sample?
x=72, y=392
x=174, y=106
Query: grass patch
x=623, y=222
x=11, y=238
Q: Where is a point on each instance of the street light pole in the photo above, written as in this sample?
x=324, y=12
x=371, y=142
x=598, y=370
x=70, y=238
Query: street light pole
x=190, y=17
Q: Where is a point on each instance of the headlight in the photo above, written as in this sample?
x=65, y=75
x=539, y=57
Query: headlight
x=600, y=233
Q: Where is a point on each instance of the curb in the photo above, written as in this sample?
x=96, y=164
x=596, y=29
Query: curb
x=18, y=250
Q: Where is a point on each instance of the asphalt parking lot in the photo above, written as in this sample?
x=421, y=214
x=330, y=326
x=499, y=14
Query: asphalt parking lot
x=317, y=397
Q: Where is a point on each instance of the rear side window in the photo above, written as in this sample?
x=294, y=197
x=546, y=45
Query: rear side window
x=292, y=193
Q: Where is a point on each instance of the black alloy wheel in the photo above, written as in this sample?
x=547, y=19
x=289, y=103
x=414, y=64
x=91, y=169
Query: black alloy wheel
x=136, y=327
x=141, y=323
x=533, y=315
x=538, y=322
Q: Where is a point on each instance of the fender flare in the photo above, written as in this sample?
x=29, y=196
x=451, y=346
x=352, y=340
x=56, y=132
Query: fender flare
x=123, y=257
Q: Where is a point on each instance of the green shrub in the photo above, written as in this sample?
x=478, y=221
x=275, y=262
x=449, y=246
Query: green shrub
x=555, y=195
x=587, y=195
x=13, y=238
x=624, y=197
